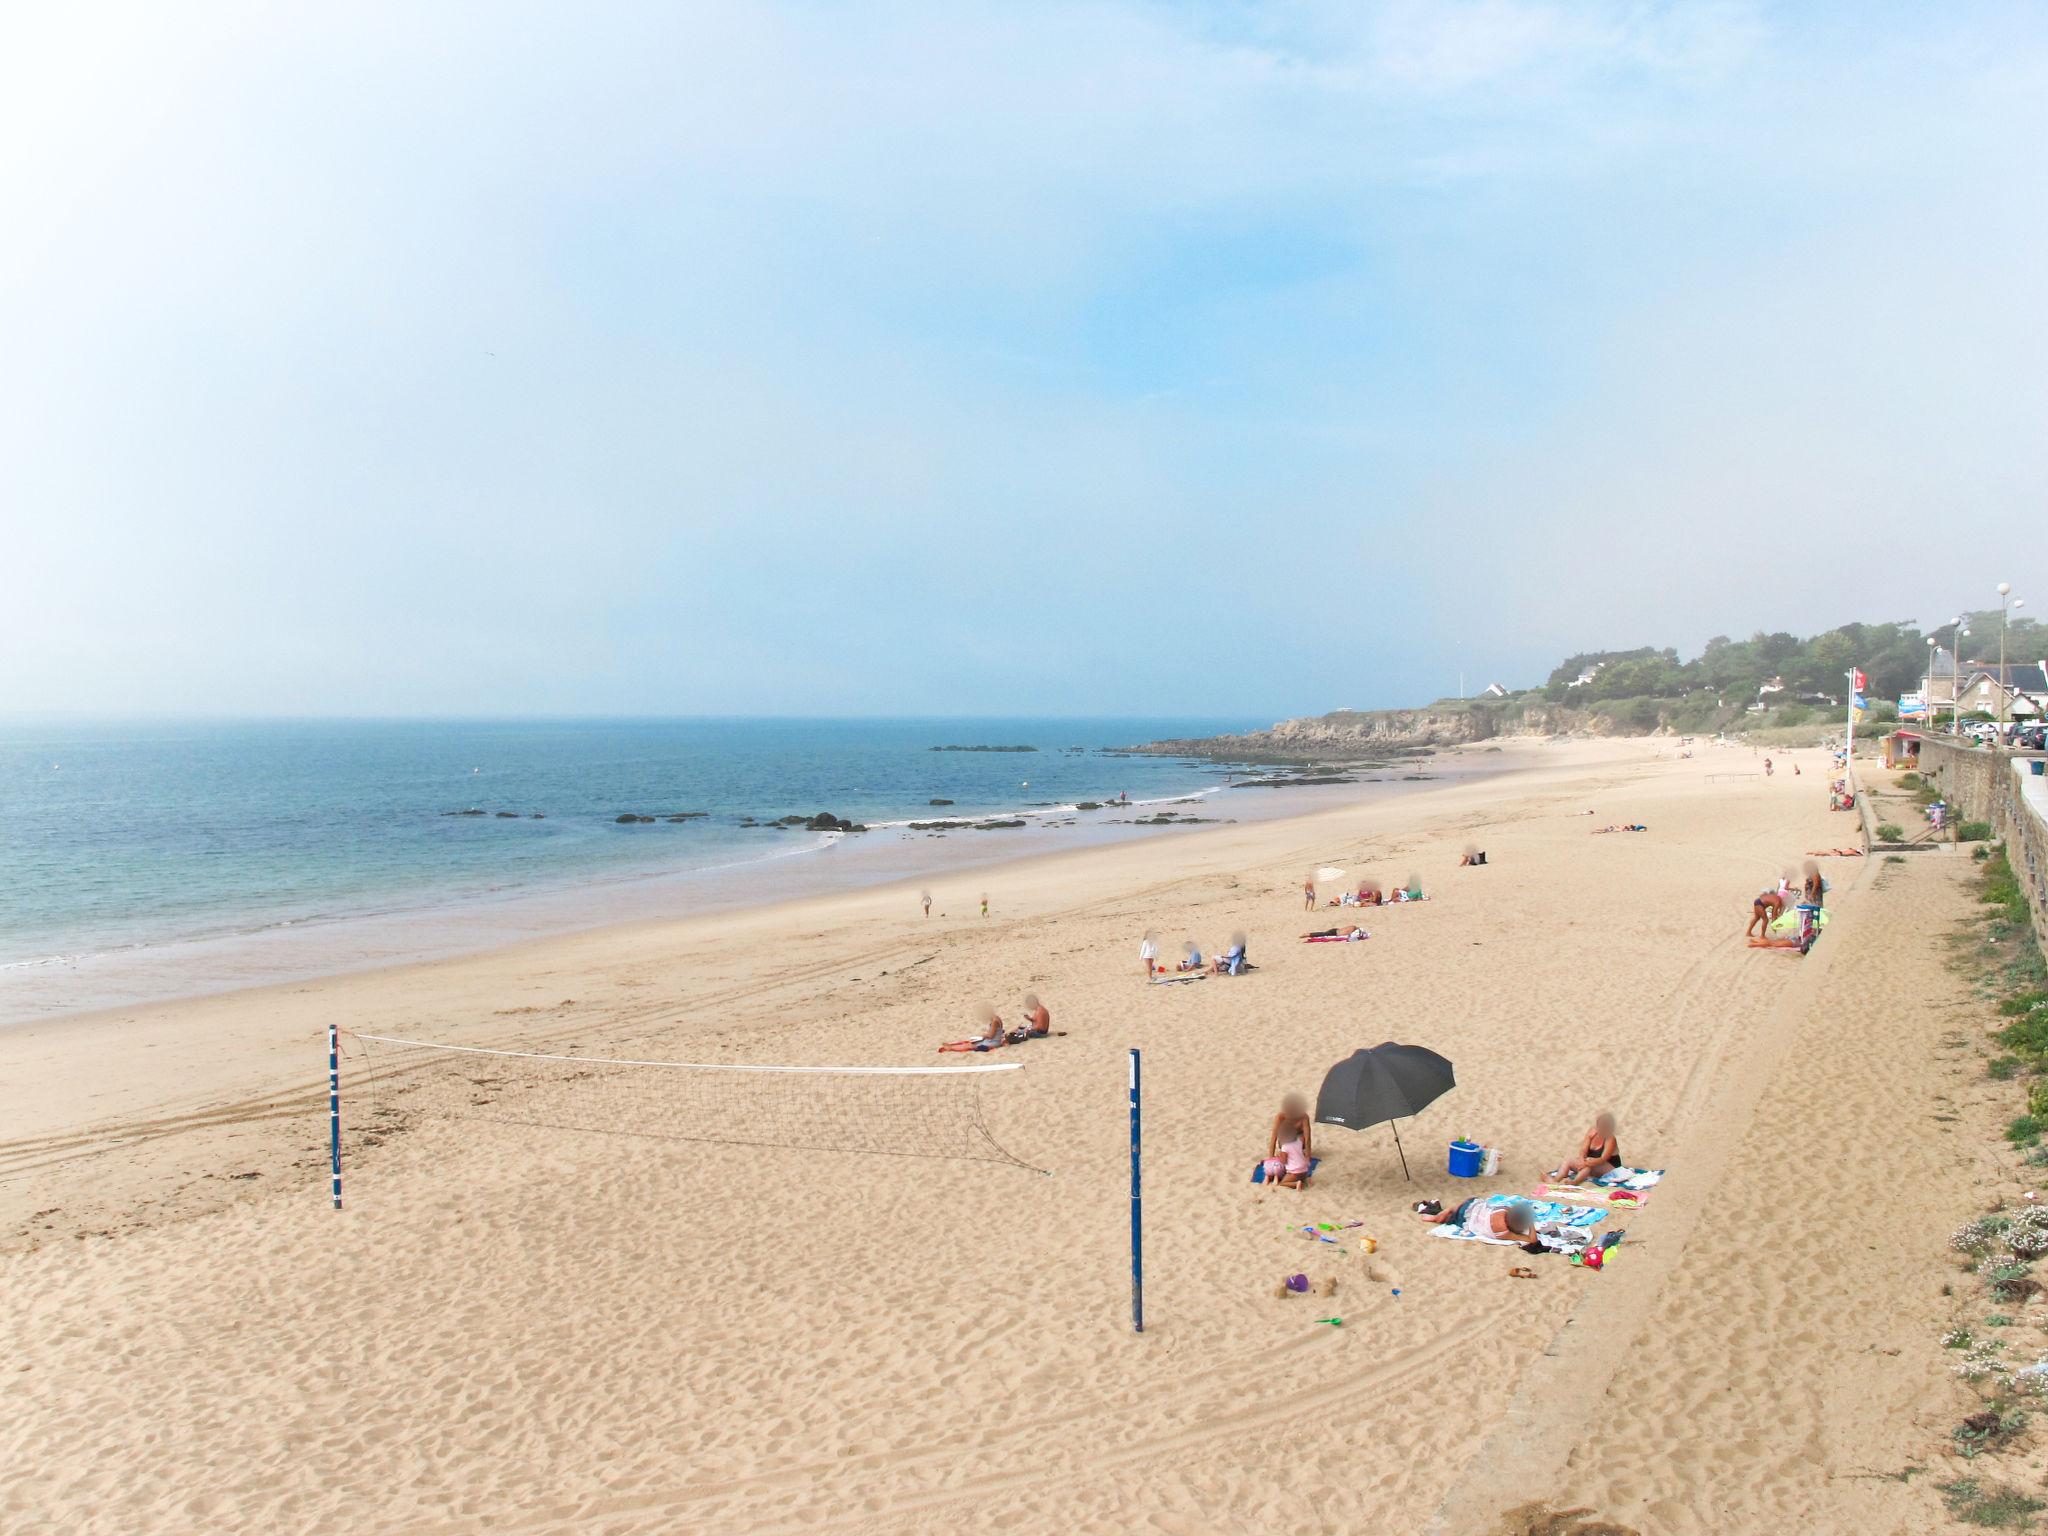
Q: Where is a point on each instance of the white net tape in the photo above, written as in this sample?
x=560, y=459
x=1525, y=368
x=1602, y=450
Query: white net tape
x=932, y=1112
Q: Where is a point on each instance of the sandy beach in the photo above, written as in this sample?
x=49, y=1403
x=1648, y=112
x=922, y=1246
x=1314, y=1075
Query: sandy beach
x=521, y=1329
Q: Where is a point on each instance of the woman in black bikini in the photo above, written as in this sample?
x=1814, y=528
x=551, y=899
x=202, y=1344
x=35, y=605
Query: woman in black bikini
x=1599, y=1153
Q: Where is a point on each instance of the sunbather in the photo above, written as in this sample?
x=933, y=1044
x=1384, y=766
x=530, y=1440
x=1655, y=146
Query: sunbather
x=1289, y=1146
x=992, y=1034
x=1037, y=1020
x=1473, y=856
x=991, y=1037
x=1337, y=933
x=1599, y=1154
x=1513, y=1222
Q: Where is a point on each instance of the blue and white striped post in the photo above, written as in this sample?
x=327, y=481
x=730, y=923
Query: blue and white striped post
x=1137, y=1214
x=334, y=1109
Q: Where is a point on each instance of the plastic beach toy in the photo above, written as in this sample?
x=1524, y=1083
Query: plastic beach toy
x=1334, y=1322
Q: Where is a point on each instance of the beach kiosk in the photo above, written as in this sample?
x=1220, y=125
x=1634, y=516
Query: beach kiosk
x=1902, y=749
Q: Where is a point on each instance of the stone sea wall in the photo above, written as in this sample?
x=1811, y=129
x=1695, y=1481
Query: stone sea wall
x=1986, y=786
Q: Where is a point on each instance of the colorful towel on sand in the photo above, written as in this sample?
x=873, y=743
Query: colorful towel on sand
x=1616, y=1199
x=1630, y=1178
x=1259, y=1169
x=1167, y=981
x=1548, y=1213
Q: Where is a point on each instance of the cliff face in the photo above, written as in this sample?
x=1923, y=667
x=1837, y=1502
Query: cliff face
x=1358, y=735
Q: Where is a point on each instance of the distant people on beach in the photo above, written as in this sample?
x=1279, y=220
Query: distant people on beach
x=984, y=905
x=1626, y=826
x=1232, y=962
x=1767, y=767
x=1148, y=953
x=926, y=898
x=1599, y=1154
x=1290, y=1145
x=1472, y=858
x=1308, y=894
x=1326, y=934
x=1191, y=956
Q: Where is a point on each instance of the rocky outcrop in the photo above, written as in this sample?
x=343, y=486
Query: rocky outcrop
x=1375, y=737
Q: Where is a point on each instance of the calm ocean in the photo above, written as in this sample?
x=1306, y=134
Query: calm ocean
x=142, y=860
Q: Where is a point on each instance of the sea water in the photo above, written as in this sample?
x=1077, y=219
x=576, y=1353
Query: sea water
x=142, y=860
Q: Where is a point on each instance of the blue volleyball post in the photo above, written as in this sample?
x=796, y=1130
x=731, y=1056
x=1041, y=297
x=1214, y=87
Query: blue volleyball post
x=334, y=1109
x=1137, y=1213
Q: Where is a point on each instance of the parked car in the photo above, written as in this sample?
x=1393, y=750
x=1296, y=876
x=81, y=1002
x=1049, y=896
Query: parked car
x=2031, y=738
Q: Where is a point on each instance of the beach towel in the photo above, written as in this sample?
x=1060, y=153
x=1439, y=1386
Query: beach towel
x=1167, y=981
x=1548, y=1213
x=1630, y=1178
x=1259, y=1169
x=1330, y=938
x=1577, y=1194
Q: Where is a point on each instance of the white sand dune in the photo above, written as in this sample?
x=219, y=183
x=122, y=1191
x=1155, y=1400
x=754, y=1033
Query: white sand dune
x=512, y=1328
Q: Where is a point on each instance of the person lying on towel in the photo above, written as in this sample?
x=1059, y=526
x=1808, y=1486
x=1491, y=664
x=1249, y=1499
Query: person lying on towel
x=1514, y=1222
x=1326, y=935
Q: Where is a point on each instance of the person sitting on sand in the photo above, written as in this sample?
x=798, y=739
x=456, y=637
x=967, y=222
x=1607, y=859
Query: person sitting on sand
x=1599, y=1154
x=1037, y=1019
x=1232, y=960
x=1191, y=960
x=1473, y=857
x=1289, y=1146
x=992, y=1036
x=1513, y=1222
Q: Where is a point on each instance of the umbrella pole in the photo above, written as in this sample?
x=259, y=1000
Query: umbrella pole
x=1404, y=1156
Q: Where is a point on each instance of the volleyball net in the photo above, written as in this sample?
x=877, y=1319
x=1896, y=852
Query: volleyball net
x=911, y=1112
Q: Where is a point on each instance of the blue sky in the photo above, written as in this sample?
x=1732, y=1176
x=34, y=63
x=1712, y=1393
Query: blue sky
x=1109, y=358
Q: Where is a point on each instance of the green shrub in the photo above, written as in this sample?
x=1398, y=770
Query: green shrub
x=2002, y=1067
x=2037, y=1100
x=1974, y=832
x=2026, y=1130
x=1995, y=1507
x=1895, y=858
x=1888, y=832
x=1909, y=780
x=2026, y=1035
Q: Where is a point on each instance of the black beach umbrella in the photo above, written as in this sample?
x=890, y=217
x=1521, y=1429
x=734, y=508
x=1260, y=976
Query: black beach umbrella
x=1383, y=1084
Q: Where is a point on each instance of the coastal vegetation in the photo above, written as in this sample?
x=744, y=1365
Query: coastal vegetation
x=1768, y=684
x=2005, y=1359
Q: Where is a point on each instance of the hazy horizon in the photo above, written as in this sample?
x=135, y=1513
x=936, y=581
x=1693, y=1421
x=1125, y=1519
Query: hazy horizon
x=1091, y=360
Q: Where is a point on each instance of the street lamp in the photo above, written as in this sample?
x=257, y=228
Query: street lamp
x=2006, y=603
